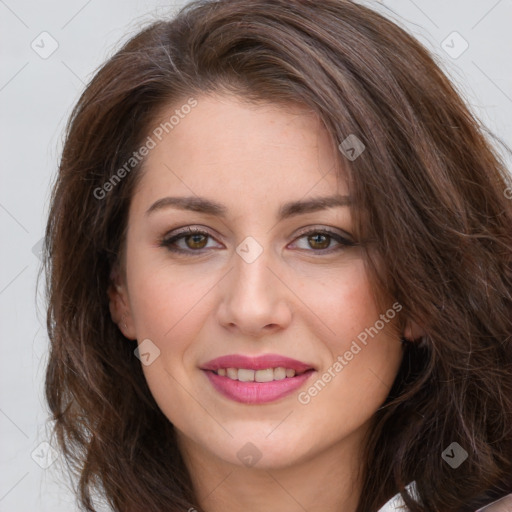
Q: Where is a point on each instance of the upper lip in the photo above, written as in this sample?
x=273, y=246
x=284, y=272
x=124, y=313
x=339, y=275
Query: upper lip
x=256, y=362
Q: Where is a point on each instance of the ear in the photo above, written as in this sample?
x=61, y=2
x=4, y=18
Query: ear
x=119, y=304
x=413, y=332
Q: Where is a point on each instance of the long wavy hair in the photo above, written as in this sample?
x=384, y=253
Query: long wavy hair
x=431, y=195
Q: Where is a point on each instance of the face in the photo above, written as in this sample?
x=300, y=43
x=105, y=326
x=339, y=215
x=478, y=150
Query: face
x=281, y=286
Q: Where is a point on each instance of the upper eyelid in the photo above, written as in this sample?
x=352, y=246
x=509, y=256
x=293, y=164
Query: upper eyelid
x=319, y=228
x=303, y=231
x=191, y=230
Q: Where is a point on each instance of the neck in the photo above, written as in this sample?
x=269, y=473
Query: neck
x=331, y=481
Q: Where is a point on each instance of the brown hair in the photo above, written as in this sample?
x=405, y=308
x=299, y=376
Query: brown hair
x=429, y=195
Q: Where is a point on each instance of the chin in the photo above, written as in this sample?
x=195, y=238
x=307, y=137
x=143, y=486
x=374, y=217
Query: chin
x=266, y=453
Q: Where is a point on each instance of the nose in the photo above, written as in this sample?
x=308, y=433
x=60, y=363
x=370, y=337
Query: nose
x=255, y=298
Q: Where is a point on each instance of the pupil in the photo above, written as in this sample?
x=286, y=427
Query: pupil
x=195, y=241
x=316, y=237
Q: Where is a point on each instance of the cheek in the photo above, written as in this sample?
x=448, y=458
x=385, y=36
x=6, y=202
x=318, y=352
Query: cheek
x=353, y=384
x=168, y=309
x=164, y=298
x=340, y=301
x=363, y=347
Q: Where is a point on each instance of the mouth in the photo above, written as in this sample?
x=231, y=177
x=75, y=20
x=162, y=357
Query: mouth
x=257, y=380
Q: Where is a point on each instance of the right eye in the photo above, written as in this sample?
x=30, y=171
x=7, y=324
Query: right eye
x=195, y=240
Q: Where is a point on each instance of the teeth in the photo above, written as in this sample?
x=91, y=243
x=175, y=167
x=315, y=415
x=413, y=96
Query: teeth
x=232, y=373
x=262, y=375
x=246, y=375
x=279, y=373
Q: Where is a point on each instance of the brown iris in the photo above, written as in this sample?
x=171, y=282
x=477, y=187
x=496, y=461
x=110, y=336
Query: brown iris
x=196, y=237
x=314, y=239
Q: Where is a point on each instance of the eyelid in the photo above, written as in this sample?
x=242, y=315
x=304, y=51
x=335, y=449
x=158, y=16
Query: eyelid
x=305, y=230
x=182, y=233
x=343, y=238
x=325, y=229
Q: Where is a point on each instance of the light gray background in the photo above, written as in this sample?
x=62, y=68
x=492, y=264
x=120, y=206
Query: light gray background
x=36, y=97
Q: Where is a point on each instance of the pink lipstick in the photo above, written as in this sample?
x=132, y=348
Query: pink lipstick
x=257, y=380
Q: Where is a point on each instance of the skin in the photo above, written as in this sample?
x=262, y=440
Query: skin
x=292, y=300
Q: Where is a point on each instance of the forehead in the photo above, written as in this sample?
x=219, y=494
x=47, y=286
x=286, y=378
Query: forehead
x=232, y=148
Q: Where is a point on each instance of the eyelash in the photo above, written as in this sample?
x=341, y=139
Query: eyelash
x=169, y=241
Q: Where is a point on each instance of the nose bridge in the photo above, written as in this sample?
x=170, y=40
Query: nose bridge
x=252, y=278
x=253, y=296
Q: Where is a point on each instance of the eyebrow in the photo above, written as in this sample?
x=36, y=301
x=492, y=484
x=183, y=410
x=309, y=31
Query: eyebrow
x=209, y=207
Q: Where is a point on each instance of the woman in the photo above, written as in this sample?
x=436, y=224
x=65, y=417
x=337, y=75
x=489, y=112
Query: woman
x=279, y=271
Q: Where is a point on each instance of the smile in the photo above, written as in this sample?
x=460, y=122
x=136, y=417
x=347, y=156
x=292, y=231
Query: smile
x=256, y=380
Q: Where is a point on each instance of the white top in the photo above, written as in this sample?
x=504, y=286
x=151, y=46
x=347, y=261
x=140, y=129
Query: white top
x=397, y=503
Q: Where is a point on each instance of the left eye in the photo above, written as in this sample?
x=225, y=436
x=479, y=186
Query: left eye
x=321, y=240
x=196, y=240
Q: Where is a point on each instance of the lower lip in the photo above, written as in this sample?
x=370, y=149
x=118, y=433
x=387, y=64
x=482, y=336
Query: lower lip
x=256, y=392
